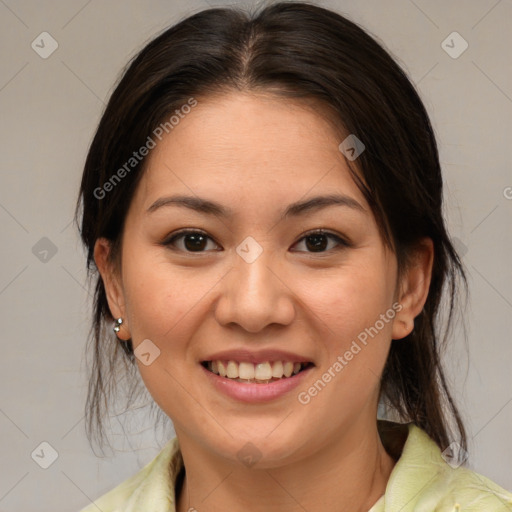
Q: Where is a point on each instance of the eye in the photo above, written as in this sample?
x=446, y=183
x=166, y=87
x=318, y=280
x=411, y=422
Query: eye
x=317, y=241
x=197, y=241
x=193, y=240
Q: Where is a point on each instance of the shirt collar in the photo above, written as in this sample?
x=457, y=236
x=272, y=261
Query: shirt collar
x=419, y=462
x=157, y=490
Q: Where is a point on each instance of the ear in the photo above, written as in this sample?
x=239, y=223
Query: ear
x=414, y=287
x=112, y=283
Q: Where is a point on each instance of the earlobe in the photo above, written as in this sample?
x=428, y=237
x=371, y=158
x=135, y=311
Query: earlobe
x=414, y=287
x=111, y=282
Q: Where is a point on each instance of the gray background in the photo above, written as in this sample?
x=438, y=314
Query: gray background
x=49, y=111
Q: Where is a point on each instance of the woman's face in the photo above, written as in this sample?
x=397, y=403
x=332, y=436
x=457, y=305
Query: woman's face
x=258, y=284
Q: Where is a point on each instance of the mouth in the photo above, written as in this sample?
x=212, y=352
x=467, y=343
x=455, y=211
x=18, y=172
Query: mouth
x=259, y=373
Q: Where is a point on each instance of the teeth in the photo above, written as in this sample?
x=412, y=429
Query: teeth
x=261, y=372
x=221, y=368
x=246, y=371
x=277, y=369
x=232, y=370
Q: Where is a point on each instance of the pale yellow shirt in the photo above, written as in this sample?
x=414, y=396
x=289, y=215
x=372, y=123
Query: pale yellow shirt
x=421, y=481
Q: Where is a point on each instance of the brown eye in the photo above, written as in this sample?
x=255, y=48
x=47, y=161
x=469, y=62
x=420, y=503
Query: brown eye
x=192, y=241
x=197, y=241
x=317, y=241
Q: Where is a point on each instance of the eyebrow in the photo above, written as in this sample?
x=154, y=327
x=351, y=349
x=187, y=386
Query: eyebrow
x=296, y=209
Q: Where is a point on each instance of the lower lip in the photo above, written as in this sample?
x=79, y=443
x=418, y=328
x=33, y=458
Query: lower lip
x=252, y=392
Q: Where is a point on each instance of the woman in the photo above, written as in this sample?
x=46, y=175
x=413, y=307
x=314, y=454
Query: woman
x=263, y=203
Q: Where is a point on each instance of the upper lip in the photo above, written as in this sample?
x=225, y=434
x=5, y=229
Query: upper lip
x=257, y=356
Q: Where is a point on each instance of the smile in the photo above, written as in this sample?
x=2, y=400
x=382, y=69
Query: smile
x=260, y=373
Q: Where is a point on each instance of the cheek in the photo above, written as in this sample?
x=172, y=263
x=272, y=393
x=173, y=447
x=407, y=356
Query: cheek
x=156, y=310
x=353, y=297
x=162, y=299
x=355, y=340
x=160, y=302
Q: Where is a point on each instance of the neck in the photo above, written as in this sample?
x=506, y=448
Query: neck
x=350, y=474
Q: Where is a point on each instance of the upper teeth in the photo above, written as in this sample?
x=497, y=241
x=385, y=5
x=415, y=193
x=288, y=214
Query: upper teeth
x=248, y=371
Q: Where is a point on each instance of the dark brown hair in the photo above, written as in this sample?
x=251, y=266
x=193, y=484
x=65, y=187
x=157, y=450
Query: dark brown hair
x=302, y=51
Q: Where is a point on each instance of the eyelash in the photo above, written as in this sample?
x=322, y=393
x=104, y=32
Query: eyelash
x=342, y=243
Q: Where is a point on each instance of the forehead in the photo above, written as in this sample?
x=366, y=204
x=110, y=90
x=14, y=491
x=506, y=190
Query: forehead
x=251, y=149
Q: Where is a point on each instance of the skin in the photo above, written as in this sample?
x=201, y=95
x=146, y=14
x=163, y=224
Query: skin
x=256, y=154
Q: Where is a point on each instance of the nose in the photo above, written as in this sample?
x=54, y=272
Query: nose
x=255, y=294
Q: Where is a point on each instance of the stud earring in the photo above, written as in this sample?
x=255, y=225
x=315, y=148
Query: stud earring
x=117, y=325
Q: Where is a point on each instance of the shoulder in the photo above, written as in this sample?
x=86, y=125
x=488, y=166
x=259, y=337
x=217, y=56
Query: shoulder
x=152, y=486
x=469, y=491
x=423, y=480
